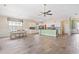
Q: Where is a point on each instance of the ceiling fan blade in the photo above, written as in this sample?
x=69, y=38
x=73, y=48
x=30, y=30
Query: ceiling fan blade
x=49, y=11
x=49, y=14
x=41, y=12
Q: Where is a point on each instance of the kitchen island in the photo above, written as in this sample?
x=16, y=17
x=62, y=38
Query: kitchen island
x=48, y=32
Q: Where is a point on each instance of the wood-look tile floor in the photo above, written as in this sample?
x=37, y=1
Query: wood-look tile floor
x=36, y=44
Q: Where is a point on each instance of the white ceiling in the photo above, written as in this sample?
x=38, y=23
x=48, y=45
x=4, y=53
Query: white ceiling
x=32, y=11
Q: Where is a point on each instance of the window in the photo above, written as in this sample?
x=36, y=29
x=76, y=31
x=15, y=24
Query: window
x=15, y=25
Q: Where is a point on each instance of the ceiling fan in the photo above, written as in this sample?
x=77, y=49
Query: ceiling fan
x=45, y=13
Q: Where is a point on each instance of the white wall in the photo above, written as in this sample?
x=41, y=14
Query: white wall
x=4, y=28
x=67, y=27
